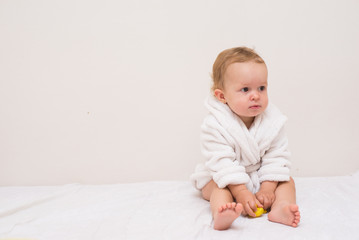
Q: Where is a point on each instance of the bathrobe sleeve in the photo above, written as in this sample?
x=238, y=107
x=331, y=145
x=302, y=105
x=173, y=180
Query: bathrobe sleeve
x=218, y=149
x=275, y=163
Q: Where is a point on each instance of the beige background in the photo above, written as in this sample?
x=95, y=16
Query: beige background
x=112, y=91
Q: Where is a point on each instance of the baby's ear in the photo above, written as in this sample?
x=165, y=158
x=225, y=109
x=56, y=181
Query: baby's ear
x=218, y=93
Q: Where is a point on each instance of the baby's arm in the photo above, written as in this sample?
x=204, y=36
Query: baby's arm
x=221, y=158
x=274, y=168
x=275, y=163
x=246, y=198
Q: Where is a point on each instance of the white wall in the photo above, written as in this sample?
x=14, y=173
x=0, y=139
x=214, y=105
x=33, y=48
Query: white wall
x=112, y=91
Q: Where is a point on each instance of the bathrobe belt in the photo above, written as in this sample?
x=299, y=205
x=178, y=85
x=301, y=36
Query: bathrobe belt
x=252, y=170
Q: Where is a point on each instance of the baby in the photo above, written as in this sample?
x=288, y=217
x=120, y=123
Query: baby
x=244, y=144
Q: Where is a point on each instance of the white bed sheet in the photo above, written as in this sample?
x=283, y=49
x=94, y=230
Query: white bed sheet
x=168, y=210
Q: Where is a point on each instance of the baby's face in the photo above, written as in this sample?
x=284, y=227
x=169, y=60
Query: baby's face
x=245, y=89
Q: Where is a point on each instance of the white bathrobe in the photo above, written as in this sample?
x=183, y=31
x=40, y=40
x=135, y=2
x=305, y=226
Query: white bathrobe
x=235, y=154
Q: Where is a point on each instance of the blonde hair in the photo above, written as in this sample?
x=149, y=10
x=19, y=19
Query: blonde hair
x=227, y=57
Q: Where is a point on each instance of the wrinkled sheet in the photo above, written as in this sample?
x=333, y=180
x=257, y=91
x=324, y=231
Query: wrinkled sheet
x=169, y=210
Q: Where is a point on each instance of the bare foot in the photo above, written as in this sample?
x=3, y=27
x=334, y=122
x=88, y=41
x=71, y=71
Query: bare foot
x=287, y=214
x=226, y=215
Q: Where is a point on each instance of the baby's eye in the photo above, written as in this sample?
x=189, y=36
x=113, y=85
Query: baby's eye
x=262, y=88
x=244, y=89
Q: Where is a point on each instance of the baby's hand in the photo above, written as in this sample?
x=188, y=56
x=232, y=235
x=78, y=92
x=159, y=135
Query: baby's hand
x=249, y=202
x=266, y=198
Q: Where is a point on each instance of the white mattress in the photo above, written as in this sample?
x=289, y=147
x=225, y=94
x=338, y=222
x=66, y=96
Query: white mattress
x=168, y=210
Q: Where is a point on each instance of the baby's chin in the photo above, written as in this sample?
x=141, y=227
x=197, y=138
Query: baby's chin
x=249, y=115
x=256, y=112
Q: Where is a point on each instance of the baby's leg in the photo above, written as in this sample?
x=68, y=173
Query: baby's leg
x=224, y=210
x=284, y=209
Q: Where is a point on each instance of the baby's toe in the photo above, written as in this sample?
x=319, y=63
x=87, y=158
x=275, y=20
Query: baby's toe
x=221, y=209
x=229, y=205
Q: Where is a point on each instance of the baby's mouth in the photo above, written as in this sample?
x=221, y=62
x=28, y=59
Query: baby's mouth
x=255, y=107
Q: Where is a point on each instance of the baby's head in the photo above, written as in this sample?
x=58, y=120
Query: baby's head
x=226, y=58
x=240, y=81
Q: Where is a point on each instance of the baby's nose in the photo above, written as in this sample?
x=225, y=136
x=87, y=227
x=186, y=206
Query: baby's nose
x=255, y=96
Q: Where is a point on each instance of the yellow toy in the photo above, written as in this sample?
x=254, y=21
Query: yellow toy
x=259, y=212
